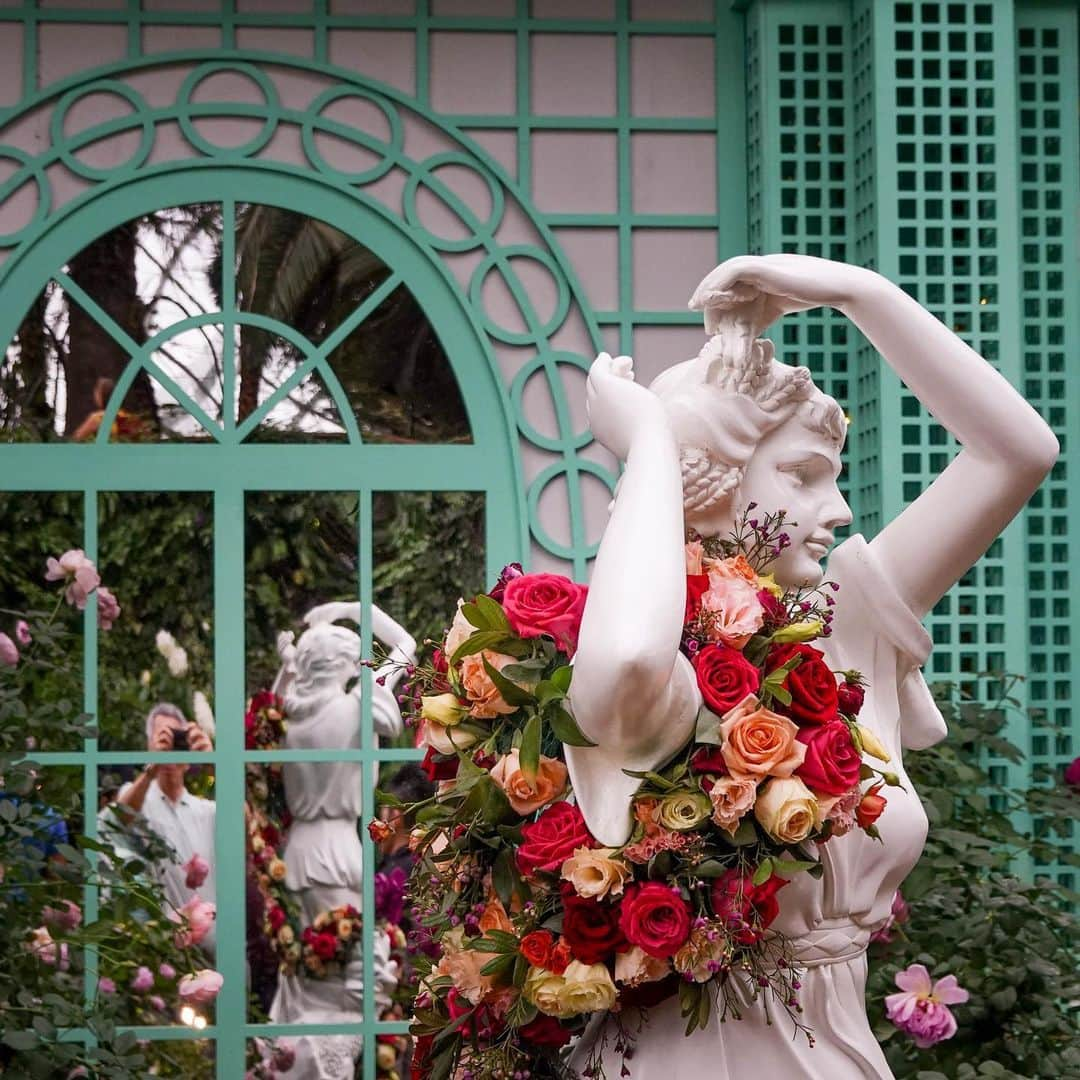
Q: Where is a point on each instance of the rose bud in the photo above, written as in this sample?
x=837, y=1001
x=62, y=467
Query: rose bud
x=850, y=696
x=797, y=632
x=379, y=831
x=871, y=744
x=870, y=808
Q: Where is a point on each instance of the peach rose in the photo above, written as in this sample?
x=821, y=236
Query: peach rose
x=732, y=797
x=730, y=608
x=494, y=917
x=635, y=966
x=486, y=700
x=462, y=967
x=527, y=797
x=787, y=810
x=593, y=872
x=694, y=555
x=759, y=742
x=734, y=568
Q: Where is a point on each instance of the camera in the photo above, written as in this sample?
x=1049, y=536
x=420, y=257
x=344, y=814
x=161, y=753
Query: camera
x=180, y=739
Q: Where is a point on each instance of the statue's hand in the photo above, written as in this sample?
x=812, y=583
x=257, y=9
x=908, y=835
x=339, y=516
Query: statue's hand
x=759, y=289
x=286, y=650
x=616, y=405
x=331, y=612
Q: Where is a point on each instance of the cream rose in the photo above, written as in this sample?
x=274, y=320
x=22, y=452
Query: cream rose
x=486, y=700
x=460, y=631
x=527, y=797
x=759, y=742
x=731, y=609
x=445, y=740
x=732, y=797
x=542, y=990
x=443, y=709
x=787, y=810
x=635, y=966
x=586, y=988
x=595, y=873
x=683, y=810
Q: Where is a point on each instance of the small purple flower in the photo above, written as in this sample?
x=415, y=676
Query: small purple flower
x=143, y=980
x=922, y=1009
x=158, y=1002
x=106, y=985
x=390, y=894
x=167, y=971
x=22, y=632
x=9, y=653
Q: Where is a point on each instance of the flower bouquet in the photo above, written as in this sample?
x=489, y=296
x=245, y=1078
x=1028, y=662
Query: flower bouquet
x=538, y=926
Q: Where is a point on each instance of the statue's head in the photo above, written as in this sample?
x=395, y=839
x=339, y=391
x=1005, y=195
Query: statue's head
x=752, y=429
x=327, y=654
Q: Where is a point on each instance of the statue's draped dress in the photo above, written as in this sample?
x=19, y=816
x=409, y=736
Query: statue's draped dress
x=829, y=920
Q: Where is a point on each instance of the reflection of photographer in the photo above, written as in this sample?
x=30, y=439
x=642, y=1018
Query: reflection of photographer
x=184, y=820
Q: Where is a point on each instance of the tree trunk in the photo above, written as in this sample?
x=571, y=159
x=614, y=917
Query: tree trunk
x=105, y=269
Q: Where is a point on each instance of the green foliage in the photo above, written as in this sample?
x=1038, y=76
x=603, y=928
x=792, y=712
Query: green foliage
x=1011, y=942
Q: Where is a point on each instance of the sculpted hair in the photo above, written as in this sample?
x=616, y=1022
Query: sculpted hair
x=725, y=401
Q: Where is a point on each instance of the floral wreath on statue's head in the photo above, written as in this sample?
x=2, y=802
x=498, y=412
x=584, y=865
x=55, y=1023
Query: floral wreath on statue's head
x=538, y=926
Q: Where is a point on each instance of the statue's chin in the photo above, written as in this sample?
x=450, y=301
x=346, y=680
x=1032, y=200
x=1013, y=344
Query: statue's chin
x=804, y=573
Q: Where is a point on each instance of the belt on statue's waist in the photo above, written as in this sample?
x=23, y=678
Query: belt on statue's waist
x=830, y=943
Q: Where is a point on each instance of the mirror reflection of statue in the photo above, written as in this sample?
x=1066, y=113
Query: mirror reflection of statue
x=323, y=856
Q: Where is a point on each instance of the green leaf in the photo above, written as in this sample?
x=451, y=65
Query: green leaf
x=562, y=676
x=477, y=617
x=711, y=868
x=477, y=642
x=565, y=728
x=788, y=867
x=511, y=693
x=20, y=1040
x=530, y=747
x=493, y=612
x=763, y=872
x=707, y=728
x=745, y=834
x=500, y=965
x=504, y=875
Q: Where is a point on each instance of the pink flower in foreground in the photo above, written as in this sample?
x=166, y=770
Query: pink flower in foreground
x=196, y=869
x=106, y=985
x=922, y=1010
x=78, y=571
x=108, y=609
x=196, y=916
x=9, y=653
x=143, y=980
x=201, y=987
x=67, y=917
x=1072, y=773
x=22, y=632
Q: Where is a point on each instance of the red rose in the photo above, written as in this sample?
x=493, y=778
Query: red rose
x=812, y=685
x=536, y=947
x=648, y=995
x=276, y=917
x=439, y=766
x=708, y=760
x=550, y=840
x=438, y=661
x=590, y=928
x=870, y=808
x=545, y=1031
x=560, y=958
x=747, y=908
x=421, y=1058
x=549, y=604
x=849, y=696
x=832, y=763
x=655, y=918
x=775, y=612
x=509, y=572
x=482, y=1022
x=325, y=945
x=697, y=585
x=724, y=677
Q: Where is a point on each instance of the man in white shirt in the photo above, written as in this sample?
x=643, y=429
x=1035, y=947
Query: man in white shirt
x=185, y=821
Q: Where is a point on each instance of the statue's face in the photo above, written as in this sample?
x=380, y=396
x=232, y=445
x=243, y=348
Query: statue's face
x=795, y=469
x=321, y=658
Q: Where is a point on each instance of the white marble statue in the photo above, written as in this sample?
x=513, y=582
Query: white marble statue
x=710, y=435
x=323, y=854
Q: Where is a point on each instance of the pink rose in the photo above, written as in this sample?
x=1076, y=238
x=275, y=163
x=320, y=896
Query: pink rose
x=656, y=918
x=758, y=742
x=142, y=980
x=67, y=917
x=832, y=764
x=197, y=916
x=732, y=797
x=196, y=869
x=922, y=1010
x=201, y=987
x=730, y=609
x=22, y=632
x=108, y=610
x=167, y=971
x=485, y=700
x=78, y=571
x=550, y=604
x=48, y=951
x=9, y=654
